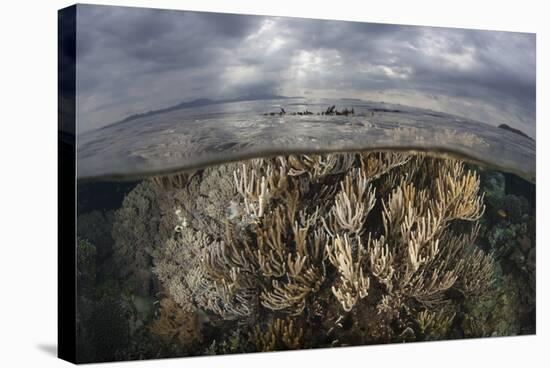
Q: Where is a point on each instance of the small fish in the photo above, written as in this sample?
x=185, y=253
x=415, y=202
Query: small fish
x=501, y=213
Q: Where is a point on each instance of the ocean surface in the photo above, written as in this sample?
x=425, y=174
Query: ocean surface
x=189, y=137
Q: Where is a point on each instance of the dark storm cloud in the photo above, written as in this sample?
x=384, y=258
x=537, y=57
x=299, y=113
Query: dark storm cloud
x=132, y=60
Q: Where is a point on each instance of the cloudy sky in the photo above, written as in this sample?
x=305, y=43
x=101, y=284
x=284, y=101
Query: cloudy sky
x=132, y=60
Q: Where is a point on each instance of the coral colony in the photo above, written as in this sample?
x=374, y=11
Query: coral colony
x=318, y=236
x=299, y=251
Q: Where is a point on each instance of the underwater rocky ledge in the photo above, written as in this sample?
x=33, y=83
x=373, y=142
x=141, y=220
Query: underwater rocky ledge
x=304, y=251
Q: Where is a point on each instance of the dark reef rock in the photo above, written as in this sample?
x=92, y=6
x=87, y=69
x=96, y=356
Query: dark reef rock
x=331, y=110
x=520, y=187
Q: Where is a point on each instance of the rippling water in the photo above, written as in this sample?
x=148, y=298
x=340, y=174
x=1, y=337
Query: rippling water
x=191, y=137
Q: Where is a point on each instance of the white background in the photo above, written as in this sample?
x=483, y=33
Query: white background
x=28, y=182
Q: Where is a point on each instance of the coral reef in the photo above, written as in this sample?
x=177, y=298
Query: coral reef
x=497, y=313
x=137, y=231
x=111, y=331
x=435, y=325
x=86, y=281
x=279, y=334
x=510, y=233
x=233, y=341
x=86, y=266
x=306, y=251
x=95, y=226
x=386, y=232
x=177, y=324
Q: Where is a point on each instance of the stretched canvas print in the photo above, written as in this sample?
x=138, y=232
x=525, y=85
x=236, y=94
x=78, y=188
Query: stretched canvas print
x=239, y=183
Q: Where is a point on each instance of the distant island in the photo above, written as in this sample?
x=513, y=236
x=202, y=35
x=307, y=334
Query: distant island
x=514, y=130
x=204, y=102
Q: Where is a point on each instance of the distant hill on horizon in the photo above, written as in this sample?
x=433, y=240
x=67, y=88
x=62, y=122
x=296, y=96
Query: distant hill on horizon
x=202, y=102
x=514, y=130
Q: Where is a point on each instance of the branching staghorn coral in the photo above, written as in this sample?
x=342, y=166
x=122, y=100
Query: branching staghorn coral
x=375, y=165
x=417, y=256
x=317, y=166
x=281, y=334
x=477, y=275
x=295, y=271
x=435, y=324
x=309, y=234
x=352, y=284
x=283, y=266
x=257, y=183
x=233, y=290
x=420, y=257
x=457, y=192
x=170, y=182
x=253, y=190
x=354, y=202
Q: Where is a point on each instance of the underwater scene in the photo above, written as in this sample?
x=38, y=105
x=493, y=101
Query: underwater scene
x=304, y=251
x=255, y=183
